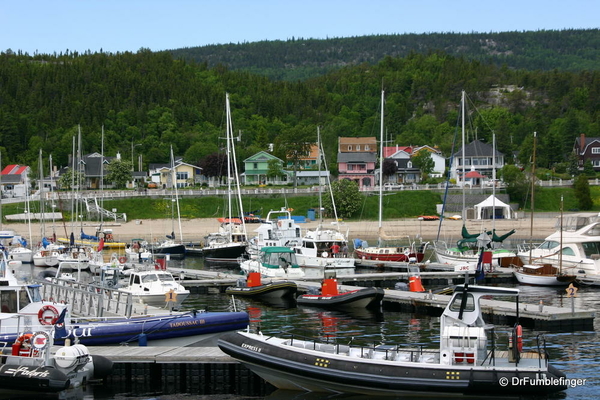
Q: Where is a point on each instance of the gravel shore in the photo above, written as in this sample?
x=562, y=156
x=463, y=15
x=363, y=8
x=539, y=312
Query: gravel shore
x=194, y=230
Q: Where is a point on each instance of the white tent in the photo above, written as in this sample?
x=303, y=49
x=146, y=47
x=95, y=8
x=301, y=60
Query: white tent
x=485, y=209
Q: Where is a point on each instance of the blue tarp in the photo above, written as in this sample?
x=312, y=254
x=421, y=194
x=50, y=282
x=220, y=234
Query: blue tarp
x=88, y=237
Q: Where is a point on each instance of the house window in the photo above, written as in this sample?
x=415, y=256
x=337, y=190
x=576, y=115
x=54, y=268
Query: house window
x=596, y=163
x=350, y=167
x=409, y=164
x=349, y=147
x=182, y=176
x=358, y=147
x=595, y=150
x=255, y=165
x=367, y=147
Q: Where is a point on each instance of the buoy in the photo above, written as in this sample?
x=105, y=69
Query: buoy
x=415, y=284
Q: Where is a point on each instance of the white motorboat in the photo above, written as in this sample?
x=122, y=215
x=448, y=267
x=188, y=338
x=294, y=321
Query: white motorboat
x=279, y=229
x=580, y=236
x=274, y=262
x=155, y=286
x=316, y=254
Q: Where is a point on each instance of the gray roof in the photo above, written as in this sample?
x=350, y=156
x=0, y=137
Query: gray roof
x=477, y=148
x=357, y=157
x=11, y=179
x=312, y=173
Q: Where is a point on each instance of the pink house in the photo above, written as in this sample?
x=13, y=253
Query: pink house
x=357, y=158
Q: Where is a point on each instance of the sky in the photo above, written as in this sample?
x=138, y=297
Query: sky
x=54, y=26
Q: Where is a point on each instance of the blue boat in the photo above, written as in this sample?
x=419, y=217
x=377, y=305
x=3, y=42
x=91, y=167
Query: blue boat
x=173, y=328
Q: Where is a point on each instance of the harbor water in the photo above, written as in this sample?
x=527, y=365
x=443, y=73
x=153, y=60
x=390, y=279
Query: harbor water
x=577, y=354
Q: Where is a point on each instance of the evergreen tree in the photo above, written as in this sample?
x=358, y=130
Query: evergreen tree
x=581, y=189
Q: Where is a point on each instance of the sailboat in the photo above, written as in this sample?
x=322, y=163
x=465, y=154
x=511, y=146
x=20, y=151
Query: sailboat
x=542, y=274
x=468, y=248
x=379, y=253
x=323, y=252
x=231, y=241
x=170, y=245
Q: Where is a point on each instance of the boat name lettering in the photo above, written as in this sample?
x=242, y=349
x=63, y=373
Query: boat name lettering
x=251, y=347
x=79, y=332
x=186, y=323
x=25, y=371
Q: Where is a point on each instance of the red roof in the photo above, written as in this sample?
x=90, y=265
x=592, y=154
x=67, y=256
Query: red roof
x=14, y=169
x=473, y=174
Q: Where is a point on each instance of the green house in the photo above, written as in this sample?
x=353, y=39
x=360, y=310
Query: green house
x=257, y=167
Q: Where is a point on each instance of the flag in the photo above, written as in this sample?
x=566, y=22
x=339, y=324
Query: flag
x=101, y=244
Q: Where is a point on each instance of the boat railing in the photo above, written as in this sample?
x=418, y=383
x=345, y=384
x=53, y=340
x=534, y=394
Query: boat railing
x=542, y=350
x=86, y=299
x=374, y=352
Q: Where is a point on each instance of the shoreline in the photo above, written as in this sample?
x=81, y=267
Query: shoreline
x=194, y=230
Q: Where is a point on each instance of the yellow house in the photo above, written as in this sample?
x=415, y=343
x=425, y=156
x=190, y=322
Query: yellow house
x=185, y=175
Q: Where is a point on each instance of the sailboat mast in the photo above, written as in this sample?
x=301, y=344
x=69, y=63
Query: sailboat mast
x=227, y=128
x=43, y=230
x=532, y=195
x=174, y=178
x=464, y=157
x=319, y=168
x=560, y=257
x=236, y=174
x=493, y=182
x=381, y=157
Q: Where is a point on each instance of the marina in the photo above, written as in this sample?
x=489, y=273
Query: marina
x=168, y=369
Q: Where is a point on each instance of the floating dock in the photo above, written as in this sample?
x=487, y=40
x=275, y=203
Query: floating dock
x=548, y=318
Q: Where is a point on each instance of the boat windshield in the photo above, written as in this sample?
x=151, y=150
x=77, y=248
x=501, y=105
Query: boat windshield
x=149, y=278
x=165, y=277
x=470, y=306
x=549, y=244
x=12, y=301
x=591, y=249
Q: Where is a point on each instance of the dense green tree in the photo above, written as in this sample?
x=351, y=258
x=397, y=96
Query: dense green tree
x=517, y=184
x=347, y=198
x=274, y=169
x=118, y=172
x=581, y=188
x=68, y=179
x=424, y=162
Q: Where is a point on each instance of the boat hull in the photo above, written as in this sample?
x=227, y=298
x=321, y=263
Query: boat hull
x=286, y=367
x=154, y=328
x=363, y=298
x=272, y=290
x=228, y=251
x=543, y=280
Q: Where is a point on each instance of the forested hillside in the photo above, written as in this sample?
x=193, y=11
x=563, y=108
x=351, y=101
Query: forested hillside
x=566, y=50
x=154, y=100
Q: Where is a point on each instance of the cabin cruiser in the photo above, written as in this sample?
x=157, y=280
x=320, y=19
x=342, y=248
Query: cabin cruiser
x=278, y=229
x=321, y=253
x=580, y=250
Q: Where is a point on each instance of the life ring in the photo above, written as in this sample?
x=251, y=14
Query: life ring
x=519, y=337
x=26, y=337
x=48, y=315
x=122, y=259
x=22, y=346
